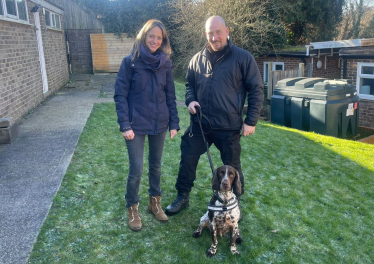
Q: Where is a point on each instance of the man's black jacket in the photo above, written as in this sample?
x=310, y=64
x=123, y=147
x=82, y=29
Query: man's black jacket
x=221, y=90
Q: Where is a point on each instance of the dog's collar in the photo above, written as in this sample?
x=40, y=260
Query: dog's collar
x=225, y=203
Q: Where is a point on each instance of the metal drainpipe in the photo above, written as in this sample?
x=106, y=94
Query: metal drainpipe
x=344, y=68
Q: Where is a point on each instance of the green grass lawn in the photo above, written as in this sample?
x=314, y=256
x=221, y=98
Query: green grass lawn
x=180, y=91
x=309, y=199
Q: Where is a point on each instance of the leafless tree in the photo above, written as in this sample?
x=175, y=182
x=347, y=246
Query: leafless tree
x=254, y=26
x=357, y=18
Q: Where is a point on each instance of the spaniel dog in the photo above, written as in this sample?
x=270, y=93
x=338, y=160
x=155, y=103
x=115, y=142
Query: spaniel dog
x=223, y=209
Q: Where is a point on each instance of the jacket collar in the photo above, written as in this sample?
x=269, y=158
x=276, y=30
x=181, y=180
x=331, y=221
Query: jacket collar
x=206, y=48
x=139, y=64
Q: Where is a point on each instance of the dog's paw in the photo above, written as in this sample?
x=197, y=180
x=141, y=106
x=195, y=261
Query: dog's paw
x=235, y=252
x=210, y=253
x=196, y=234
x=239, y=240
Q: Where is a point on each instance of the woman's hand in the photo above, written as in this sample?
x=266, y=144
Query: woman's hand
x=128, y=135
x=173, y=132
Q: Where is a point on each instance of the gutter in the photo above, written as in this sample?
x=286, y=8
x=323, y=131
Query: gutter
x=356, y=56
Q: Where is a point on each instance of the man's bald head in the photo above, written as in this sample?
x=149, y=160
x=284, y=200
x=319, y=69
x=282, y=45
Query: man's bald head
x=216, y=32
x=216, y=19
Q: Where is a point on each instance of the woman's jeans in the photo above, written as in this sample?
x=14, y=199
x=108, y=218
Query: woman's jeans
x=135, y=150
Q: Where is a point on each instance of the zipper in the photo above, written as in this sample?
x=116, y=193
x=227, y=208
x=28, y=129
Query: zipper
x=211, y=75
x=224, y=55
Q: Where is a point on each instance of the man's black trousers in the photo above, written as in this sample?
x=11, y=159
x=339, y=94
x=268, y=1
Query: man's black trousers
x=192, y=147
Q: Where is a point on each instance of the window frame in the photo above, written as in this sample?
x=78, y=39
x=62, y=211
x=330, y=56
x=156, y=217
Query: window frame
x=360, y=75
x=2, y=9
x=52, y=20
x=15, y=18
x=267, y=63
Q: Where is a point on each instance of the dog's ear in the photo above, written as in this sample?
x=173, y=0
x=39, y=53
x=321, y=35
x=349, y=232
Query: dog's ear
x=237, y=183
x=215, y=181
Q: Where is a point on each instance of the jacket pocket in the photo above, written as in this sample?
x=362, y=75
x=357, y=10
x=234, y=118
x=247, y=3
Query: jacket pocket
x=163, y=114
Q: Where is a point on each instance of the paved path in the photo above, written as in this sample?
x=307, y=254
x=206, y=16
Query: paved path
x=33, y=166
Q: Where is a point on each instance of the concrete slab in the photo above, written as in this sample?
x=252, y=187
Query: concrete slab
x=33, y=166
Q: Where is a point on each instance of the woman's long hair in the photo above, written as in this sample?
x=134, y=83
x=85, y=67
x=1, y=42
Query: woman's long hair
x=140, y=39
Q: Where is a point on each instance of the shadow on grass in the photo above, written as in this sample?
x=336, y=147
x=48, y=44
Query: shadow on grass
x=308, y=199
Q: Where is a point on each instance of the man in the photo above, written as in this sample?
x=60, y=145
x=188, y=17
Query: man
x=219, y=78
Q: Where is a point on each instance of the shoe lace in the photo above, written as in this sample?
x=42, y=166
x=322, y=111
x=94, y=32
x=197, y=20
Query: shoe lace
x=135, y=213
x=158, y=204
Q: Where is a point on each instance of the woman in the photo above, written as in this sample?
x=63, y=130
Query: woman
x=145, y=105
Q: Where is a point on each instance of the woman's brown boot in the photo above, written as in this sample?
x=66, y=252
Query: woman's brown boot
x=154, y=207
x=135, y=223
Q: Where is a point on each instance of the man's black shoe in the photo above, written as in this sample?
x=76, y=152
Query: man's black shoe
x=181, y=201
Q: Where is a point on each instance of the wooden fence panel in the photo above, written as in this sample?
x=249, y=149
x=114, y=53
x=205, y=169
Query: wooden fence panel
x=276, y=76
x=108, y=50
x=280, y=75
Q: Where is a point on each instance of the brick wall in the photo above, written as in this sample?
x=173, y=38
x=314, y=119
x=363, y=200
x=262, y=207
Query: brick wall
x=332, y=70
x=366, y=113
x=333, y=67
x=80, y=49
x=21, y=87
x=352, y=68
x=289, y=62
x=54, y=46
x=366, y=110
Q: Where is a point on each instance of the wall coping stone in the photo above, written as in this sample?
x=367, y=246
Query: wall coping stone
x=6, y=122
x=9, y=134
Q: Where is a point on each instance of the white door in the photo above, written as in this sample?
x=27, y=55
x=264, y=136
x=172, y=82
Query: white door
x=41, y=51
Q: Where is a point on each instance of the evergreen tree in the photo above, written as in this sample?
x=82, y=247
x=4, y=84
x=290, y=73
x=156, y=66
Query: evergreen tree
x=368, y=32
x=120, y=16
x=310, y=20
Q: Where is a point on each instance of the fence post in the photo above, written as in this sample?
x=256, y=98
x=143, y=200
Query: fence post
x=270, y=92
x=301, y=69
x=269, y=76
x=310, y=70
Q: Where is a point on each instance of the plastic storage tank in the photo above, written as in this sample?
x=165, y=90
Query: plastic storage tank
x=327, y=107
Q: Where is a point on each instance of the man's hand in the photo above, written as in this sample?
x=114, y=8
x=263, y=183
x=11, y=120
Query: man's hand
x=173, y=132
x=248, y=130
x=129, y=135
x=191, y=107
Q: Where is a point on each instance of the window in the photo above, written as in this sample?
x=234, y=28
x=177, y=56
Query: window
x=21, y=6
x=14, y=9
x=52, y=20
x=365, y=80
x=11, y=7
x=47, y=18
x=277, y=66
x=57, y=19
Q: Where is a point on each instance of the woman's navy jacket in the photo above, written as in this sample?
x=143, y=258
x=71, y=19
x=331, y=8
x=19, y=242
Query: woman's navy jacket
x=145, y=98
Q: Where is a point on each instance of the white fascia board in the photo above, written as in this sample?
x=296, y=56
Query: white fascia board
x=48, y=6
x=336, y=44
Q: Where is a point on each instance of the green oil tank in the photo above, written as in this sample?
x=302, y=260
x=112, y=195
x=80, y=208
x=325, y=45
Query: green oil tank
x=327, y=107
